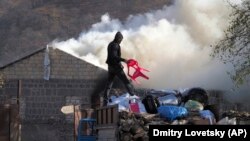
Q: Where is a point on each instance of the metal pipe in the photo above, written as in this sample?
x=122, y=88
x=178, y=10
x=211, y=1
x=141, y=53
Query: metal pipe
x=74, y=122
x=9, y=109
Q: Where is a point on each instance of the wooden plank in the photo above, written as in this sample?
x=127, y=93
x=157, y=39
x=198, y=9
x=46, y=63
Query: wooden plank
x=104, y=116
x=109, y=116
x=5, y=123
x=19, y=94
x=99, y=119
x=15, y=124
x=115, y=114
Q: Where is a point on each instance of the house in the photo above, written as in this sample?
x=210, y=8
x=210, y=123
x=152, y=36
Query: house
x=31, y=105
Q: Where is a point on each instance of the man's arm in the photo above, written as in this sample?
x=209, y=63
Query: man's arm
x=115, y=55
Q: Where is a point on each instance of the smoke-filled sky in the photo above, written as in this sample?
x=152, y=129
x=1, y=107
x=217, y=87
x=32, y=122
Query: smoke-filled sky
x=172, y=42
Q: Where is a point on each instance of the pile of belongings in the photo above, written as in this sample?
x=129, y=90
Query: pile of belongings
x=173, y=107
x=189, y=107
x=164, y=107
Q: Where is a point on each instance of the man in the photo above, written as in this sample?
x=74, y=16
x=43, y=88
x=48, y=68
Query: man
x=115, y=67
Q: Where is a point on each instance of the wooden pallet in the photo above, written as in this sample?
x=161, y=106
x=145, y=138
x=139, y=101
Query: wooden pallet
x=107, y=123
x=107, y=116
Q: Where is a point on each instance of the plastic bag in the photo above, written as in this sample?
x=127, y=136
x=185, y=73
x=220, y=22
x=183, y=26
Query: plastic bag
x=193, y=105
x=134, y=106
x=151, y=103
x=172, y=112
x=227, y=121
x=168, y=100
x=122, y=101
x=167, y=96
x=208, y=115
x=142, y=107
x=124, y=104
x=197, y=94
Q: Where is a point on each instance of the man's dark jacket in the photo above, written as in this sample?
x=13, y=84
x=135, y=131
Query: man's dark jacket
x=114, y=55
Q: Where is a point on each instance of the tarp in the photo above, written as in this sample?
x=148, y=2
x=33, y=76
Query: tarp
x=46, y=64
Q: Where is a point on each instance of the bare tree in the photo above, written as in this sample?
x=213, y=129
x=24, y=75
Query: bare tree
x=234, y=48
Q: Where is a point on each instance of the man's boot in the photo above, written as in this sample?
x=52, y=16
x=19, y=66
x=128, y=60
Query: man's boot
x=130, y=89
x=105, y=97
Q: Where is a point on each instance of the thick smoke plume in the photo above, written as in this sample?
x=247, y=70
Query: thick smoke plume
x=174, y=43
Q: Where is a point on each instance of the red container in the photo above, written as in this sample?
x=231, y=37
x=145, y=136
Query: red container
x=134, y=106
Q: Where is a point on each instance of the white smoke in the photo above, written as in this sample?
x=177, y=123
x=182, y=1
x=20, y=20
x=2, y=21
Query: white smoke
x=173, y=43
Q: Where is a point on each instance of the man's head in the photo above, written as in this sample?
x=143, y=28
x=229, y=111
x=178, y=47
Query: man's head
x=118, y=37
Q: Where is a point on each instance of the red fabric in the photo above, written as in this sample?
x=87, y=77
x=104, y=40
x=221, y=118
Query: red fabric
x=131, y=63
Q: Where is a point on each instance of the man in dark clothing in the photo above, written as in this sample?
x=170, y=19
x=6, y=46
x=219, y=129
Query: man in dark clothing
x=115, y=67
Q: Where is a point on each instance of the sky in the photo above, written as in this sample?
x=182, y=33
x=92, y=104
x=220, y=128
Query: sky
x=174, y=43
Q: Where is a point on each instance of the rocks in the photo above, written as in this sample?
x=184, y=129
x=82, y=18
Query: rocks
x=134, y=126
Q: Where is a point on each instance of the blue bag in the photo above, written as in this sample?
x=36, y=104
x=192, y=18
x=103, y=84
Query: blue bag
x=208, y=115
x=172, y=112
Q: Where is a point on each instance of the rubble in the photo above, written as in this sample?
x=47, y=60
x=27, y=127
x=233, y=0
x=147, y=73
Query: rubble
x=135, y=126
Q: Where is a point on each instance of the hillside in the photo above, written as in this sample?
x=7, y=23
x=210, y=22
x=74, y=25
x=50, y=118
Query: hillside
x=27, y=25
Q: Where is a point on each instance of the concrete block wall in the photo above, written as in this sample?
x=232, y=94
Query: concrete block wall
x=72, y=82
x=65, y=66
x=43, y=99
x=69, y=76
x=41, y=102
x=8, y=92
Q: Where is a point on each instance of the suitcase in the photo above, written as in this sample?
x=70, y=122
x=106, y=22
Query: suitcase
x=151, y=103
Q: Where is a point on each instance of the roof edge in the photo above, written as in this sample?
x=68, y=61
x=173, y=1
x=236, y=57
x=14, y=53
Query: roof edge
x=23, y=57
